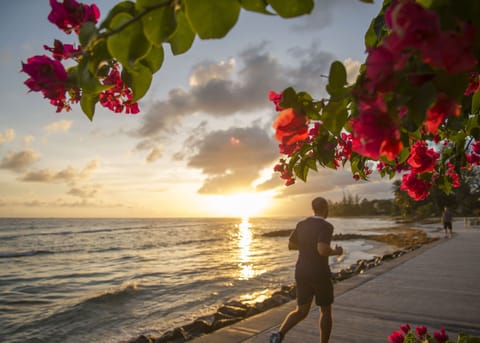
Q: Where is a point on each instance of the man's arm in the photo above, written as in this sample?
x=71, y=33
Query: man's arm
x=292, y=245
x=325, y=250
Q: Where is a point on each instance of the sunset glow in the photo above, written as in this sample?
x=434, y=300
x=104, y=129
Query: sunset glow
x=241, y=205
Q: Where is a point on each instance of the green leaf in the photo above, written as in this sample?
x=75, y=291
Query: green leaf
x=130, y=44
x=154, y=59
x=259, y=6
x=337, y=78
x=122, y=7
x=182, y=38
x=212, y=18
x=335, y=116
x=88, y=32
x=139, y=79
x=476, y=103
x=422, y=98
x=291, y=8
x=159, y=24
x=87, y=103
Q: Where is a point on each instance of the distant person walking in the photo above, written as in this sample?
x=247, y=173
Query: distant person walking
x=447, y=221
x=312, y=238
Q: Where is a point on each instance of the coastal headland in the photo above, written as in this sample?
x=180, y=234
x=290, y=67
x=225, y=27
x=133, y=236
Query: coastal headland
x=404, y=239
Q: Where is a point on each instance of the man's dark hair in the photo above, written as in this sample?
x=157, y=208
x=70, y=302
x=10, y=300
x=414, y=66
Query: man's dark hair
x=320, y=206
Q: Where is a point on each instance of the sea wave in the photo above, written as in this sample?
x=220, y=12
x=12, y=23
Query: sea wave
x=25, y=253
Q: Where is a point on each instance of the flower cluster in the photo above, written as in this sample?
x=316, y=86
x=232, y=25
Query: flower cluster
x=405, y=334
x=70, y=15
x=48, y=76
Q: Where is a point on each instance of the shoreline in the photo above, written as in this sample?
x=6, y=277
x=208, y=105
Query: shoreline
x=405, y=238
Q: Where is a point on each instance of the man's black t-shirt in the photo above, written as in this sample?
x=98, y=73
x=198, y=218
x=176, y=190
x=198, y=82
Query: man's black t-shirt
x=311, y=266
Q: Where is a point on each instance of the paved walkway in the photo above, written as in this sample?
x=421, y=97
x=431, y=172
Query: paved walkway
x=436, y=285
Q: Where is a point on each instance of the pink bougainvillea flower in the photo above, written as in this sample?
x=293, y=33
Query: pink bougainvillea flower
x=119, y=97
x=70, y=15
x=62, y=51
x=441, y=109
x=422, y=159
x=291, y=127
x=405, y=328
x=421, y=331
x=275, y=98
x=375, y=134
x=417, y=189
x=452, y=51
x=440, y=337
x=396, y=337
x=476, y=147
x=379, y=68
x=47, y=76
x=413, y=24
x=473, y=85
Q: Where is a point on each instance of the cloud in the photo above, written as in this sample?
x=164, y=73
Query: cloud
x=28, y=139
x=59, y=126
x=85, y=192
x=19, y=161
x=220, y=90
x=154, y=154
x=68, y=174
x=7, y=136
x=232, y=159
x=204, y=73
x=353, y=69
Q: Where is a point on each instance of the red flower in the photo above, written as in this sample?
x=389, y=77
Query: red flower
x=452, y=51
x=443, y=107
x=476, y=148
x=422, y=159
x=275, y=98
x=291, y=127
x=414, y=25
x=440, y=337
x=417, y=189
x=119, y=97
x=62, y=51
x=421, y=331
x=379, y=68
x=375, y=134
x=46, y=76
x=70, y=14
x=473, y=85
x=405, y=328
x=396, y=337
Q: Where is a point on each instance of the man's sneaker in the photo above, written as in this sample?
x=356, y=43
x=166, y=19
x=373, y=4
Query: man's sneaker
x=276, y=337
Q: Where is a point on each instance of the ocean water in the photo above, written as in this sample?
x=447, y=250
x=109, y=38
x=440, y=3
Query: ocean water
x=110, y=280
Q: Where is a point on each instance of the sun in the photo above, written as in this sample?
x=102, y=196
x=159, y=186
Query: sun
x=241, y=205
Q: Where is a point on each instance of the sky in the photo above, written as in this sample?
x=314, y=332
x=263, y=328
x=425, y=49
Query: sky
x=202, y=144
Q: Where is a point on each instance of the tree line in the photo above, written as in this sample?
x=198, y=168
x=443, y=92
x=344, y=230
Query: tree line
x=463, y=201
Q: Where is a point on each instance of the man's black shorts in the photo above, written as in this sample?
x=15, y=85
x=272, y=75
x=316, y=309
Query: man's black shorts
x=323, y=292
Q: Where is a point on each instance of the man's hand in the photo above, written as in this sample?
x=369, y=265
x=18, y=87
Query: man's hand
x=338, y=250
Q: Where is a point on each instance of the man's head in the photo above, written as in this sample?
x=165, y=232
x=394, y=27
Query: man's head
x=320, y=207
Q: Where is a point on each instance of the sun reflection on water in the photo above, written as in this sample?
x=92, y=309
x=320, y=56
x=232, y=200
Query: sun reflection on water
x=247, y=269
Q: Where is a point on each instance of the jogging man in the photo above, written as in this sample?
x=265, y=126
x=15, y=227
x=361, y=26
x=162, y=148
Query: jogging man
x=312, y=238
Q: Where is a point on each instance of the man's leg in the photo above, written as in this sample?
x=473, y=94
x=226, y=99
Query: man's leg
x=326, y=321
x=294, y=317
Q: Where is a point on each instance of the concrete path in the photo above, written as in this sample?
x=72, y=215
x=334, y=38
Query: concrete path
x=437, y=286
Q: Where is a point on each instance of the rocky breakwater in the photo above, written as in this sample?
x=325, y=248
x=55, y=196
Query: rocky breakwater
x=234, y=311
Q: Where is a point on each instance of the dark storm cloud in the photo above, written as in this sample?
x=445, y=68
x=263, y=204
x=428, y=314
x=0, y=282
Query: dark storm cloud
x=232, y=159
